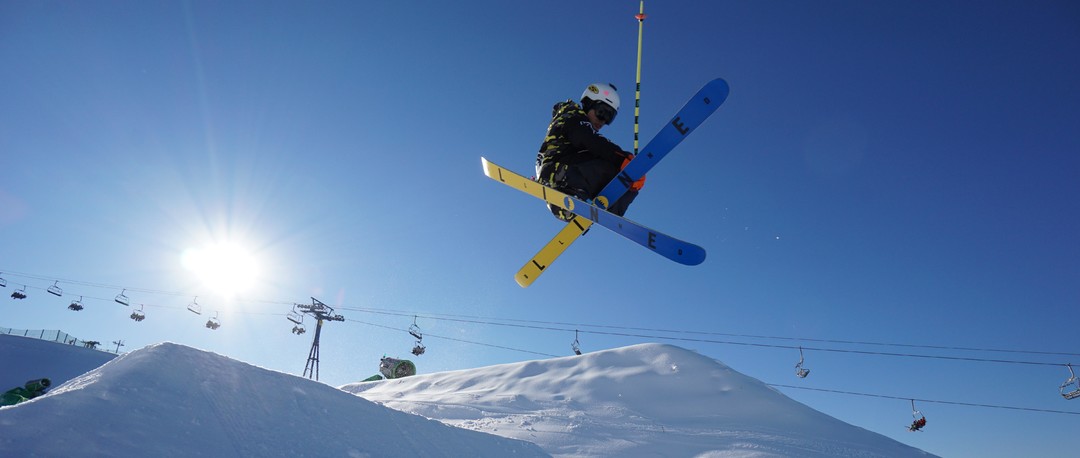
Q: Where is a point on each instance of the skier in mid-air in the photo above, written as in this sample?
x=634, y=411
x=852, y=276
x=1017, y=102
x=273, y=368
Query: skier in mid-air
x=575, y=158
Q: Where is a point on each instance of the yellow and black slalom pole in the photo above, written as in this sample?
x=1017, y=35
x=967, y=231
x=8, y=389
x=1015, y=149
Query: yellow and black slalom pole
x=637, y=90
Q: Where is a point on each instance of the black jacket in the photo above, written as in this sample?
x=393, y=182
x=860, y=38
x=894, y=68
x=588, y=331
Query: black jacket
x=571, y=139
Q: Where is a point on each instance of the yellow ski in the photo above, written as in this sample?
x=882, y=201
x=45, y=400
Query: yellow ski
x=547, y=255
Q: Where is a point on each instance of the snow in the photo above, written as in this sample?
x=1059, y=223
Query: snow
x=643, y=400
x=172, y=400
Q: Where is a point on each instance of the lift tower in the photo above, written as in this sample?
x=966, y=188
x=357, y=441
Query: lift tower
x=321, y=312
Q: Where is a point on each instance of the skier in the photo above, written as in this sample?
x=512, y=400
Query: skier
x=575, y=158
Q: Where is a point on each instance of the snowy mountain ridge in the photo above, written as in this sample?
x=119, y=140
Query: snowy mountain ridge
x=172, y=400
x=641, y=400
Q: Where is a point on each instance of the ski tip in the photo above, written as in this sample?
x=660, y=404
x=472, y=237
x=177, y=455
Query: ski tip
x=690, y=256
x=719, y=87
x=523, y=280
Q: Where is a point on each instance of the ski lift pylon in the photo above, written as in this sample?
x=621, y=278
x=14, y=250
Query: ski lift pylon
x=800, y=371
x=122, y=299
x=55, y=289
x=76, y=305
x=576, y=345
x=1073, y=382
x=194, y=306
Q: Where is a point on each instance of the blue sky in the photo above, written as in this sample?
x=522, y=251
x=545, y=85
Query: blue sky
x=884, y=172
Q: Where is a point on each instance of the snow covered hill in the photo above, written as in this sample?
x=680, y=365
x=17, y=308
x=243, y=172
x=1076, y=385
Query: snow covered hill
x=642, y=400
x=172, y=400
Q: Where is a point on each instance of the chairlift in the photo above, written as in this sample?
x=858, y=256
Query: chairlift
x=298, y=329
x=55, y=289
x=576, y=345
x=20, y=294
x=3, y=283
x=194, y=306
x=920, y=419
x=1073, y=382
x=138, y=315
x=414, y=331
x=76, y=305
x=295, y=317
x=122, y=299
x=213, y=322
x=800, y=371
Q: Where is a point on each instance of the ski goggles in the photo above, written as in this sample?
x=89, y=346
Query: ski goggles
x=604, y=112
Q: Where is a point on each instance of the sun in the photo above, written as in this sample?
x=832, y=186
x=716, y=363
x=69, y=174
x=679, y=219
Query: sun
x=225, y=268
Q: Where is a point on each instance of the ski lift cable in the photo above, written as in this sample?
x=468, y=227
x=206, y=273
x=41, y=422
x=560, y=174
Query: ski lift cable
x=928, y=401
x=968, y=404
x=136, y=290
x=456, y=339
x=537, y=325
x=486, y=320
x=713, y=341
x=750, y=344
x=775, y=385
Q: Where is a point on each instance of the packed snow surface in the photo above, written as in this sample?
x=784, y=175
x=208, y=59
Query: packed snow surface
x=644, y=400
x=172, y=400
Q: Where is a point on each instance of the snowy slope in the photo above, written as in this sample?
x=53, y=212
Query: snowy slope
x=25, y=358
x=643, y=400
x=172, y=400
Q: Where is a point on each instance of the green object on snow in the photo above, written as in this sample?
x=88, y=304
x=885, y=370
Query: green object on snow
x=396, y=368
x=30, y=390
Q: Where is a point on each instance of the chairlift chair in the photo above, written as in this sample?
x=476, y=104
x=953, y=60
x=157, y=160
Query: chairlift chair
x=295, y=317
x=138, y=315
x=20, y=294
x=800, y=371
x=298, y=329
x=920, y=419
x=1073, y=382
x=414, y=330
x=76, y=305
x=213, y=322
x=3, y=283
x=122, y=299
x=194, y=306
x=576, y=345
x=55, y=289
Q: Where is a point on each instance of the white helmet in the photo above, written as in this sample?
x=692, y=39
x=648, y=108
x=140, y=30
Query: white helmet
x=601, y=92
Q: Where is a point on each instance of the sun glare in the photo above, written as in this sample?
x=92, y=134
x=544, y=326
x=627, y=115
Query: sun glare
x=224, y=268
